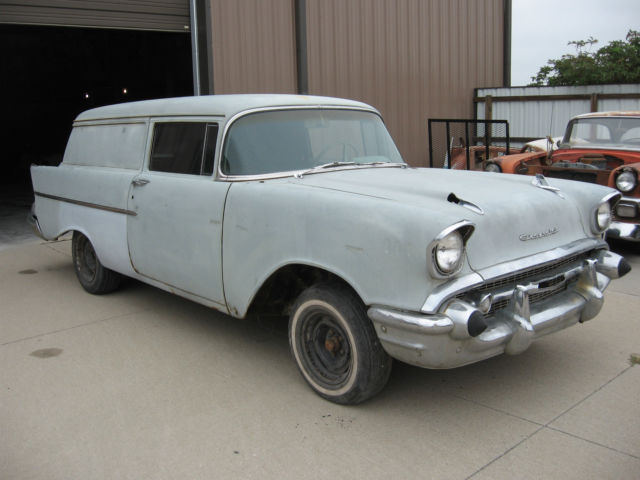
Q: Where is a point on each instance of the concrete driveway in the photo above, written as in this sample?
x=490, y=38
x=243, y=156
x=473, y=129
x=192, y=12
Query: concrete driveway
x=143, y=384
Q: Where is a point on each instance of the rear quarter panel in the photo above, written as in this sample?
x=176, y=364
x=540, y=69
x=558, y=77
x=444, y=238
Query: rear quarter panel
x=91, y=200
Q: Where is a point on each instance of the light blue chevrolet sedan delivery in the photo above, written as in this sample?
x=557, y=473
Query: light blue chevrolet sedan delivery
x=303, y=206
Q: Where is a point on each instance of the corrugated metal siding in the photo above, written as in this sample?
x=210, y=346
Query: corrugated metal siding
x=253, y=46
x=549, y=117
x=412, y=59
x=163, y=15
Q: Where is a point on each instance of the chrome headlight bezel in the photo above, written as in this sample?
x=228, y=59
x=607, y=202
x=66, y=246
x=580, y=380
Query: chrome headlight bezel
x=451, y=238
x=602, y=218
x=628, y=179
x=602, y=215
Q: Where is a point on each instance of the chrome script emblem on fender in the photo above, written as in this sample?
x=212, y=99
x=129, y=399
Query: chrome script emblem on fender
x=535, y=236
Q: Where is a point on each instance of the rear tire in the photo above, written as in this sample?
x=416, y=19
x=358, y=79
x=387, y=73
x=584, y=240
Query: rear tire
x=93, y=276
x=335, y=345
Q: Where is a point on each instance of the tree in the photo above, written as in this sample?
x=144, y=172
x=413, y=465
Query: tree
x=617, y=62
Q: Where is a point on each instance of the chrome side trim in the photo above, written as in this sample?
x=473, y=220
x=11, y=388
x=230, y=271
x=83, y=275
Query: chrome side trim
x=458, y=285
x=86, y=204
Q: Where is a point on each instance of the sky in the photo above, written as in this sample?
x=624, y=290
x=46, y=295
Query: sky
x=541, y=30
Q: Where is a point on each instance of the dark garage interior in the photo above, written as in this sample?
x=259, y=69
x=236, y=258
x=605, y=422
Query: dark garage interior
x=50, y=74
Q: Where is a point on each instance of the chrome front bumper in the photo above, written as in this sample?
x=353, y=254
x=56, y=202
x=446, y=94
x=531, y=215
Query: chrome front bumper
x=504, y=317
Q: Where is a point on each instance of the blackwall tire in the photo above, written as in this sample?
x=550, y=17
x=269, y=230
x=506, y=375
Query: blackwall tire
x=93, y=276
x=335, y=345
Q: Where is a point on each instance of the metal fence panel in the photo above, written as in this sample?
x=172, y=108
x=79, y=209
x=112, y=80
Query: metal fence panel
x=462, y=144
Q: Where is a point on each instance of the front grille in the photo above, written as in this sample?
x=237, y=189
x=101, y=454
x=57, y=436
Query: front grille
x=525, y=275
x=531, y=275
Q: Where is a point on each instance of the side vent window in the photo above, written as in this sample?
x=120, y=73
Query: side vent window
x=209, y=148
x=183, y=147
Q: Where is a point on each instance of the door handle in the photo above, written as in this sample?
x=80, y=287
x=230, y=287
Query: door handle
x=139, y=182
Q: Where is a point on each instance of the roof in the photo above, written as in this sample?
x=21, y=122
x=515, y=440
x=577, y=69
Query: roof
x=608, y=114
x=212, y=105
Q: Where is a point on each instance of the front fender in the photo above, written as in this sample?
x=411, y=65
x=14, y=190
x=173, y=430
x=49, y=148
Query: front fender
x=376, y=245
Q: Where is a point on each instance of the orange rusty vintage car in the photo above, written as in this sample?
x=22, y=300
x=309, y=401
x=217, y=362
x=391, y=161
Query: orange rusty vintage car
x=481, y=157
x=602, y=148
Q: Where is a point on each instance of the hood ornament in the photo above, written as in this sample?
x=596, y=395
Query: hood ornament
x=541, y=182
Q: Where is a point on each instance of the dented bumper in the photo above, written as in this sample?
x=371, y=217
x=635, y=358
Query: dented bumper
x=498, y=315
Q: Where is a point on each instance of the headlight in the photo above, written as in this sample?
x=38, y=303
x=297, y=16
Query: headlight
x=492, y=167
x=603, y=217
x=626, y=182
x=448, y=253
x=445, y=254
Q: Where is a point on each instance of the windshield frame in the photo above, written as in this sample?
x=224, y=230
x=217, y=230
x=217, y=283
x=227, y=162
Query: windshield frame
x=220, y=175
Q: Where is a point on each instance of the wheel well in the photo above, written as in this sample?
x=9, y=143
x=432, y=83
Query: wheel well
x=282, y=288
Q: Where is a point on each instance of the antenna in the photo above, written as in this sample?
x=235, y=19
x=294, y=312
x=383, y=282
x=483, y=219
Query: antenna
x=549, y=137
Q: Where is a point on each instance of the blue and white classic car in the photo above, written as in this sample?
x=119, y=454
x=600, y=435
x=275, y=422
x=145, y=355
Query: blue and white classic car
x=303, y=205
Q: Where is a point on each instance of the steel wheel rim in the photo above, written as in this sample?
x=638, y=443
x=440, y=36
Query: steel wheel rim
x=325, y=348
x=86, y=260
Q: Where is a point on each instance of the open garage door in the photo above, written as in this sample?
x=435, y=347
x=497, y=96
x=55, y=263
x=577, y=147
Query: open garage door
x=52, y=73
x=160, y=15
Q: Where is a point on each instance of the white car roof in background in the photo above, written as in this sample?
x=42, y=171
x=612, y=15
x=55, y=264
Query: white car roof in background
x=608, y=114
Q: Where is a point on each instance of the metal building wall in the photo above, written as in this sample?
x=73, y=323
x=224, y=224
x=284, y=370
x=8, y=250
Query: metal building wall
x=531, y=118
x=162, y=15
x=412, y=59
x=253, y=46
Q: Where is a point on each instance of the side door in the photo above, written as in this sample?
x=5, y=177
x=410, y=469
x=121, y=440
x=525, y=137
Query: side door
x=175, y=236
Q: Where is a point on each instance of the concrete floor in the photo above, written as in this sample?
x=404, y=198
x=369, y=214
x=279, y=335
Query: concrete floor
x=143, y=384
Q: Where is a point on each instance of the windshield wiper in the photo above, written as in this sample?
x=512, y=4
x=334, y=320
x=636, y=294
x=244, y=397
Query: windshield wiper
x=343, y=164
x=324, y=166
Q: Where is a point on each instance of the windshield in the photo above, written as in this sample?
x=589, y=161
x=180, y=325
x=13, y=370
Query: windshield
x=603, y=132
x=293, y=140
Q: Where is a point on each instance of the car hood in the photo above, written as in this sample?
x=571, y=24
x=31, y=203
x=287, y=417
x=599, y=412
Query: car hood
x=517, y=219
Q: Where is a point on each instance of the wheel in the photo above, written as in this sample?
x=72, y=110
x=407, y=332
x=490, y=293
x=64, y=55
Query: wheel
x=335, y=345
x=93, y=276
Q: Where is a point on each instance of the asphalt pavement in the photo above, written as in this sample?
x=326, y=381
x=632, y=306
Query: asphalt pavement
x=142, y=384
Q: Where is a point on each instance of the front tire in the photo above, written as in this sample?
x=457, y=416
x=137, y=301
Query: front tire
x=93, y=276
x=335, y=345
